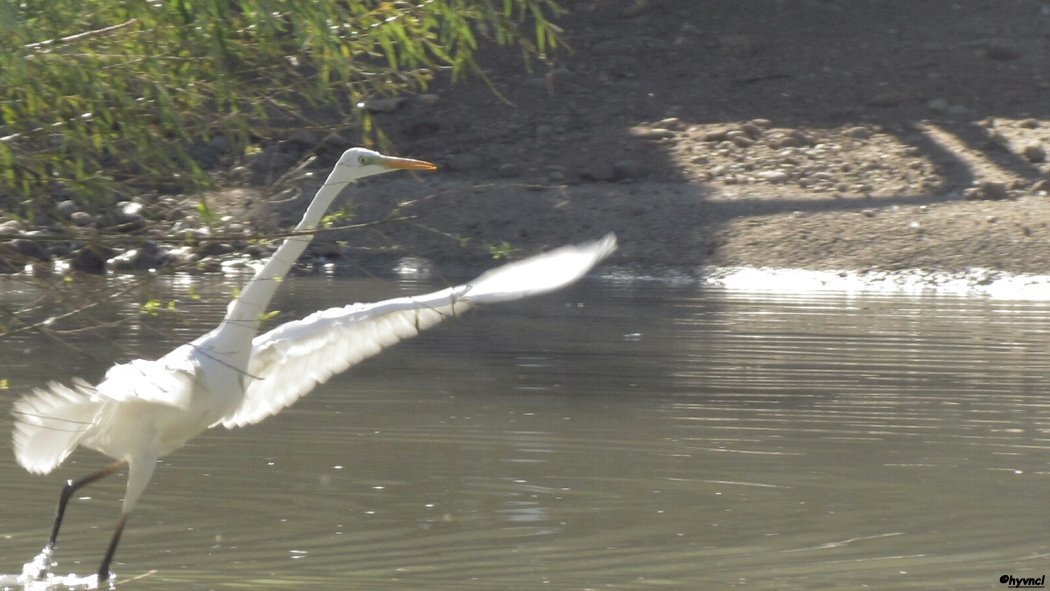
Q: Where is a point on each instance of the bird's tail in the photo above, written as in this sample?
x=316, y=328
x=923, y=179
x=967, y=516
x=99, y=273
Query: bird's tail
x=51, y=422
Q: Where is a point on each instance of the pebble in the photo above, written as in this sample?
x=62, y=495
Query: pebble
x=994, y=190
x=741, y=140
x=66, y=209
x=414, y=267
x=29, y=248
x=10, y=227
x=860, y=132
x=82, y=218
x=180, y=257
x=1034, y=152
x=773, y=176
x=509, y=170
x=193, y=234
x=384, y=104
x=326, y=248
x=652, y=133
x=996, y=138
x=715, y=135
x=672, y=123
x=211, y=265
x=258, y=251
x=214, y=248
x=793, y=138
x=752, y=130
x=91, y=259
x=59, y=250
x=126, y=217
x=146, y=257
x=939, y=105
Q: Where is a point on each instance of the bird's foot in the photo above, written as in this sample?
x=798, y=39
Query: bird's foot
x=39, y=569
x=105, y=580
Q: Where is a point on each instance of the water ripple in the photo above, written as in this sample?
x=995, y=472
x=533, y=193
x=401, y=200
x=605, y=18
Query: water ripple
x=653, y=437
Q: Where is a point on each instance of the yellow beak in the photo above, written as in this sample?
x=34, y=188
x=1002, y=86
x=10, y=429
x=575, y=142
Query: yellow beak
x=405, y=163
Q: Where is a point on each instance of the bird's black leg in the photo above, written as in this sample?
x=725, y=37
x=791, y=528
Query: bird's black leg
x=103, y=571
x=71, y=487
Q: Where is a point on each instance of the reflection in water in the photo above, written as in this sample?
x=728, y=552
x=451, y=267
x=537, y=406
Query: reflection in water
x=604, y=437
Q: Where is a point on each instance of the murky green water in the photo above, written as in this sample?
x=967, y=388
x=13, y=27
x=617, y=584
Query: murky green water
x=606, y=437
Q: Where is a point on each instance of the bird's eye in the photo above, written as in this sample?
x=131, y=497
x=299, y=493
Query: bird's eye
x=361, y=160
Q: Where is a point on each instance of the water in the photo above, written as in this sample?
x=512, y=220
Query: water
x=605, y=437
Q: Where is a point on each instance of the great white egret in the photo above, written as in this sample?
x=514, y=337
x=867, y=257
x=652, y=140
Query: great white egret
x=145, y=409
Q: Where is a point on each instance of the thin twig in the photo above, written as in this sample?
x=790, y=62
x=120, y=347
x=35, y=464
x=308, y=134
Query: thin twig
x=179, y=239
x=136, y=578
x=52, y=335
x=81, y=36
x=52, y=319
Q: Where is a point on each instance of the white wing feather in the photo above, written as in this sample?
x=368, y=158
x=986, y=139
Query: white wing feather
x=168, y=380
x=50, y=422
x=289, y=361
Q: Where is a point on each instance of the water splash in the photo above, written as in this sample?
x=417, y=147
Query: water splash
x=37, y=576
x=40, y=565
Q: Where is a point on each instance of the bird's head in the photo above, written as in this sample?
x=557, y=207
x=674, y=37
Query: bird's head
x=358, y=163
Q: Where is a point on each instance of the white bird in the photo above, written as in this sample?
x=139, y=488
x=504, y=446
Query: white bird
x=145, y=409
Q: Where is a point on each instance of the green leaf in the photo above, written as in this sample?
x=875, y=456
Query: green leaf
x=205, y=213
x=150, y=307
x=502, y=250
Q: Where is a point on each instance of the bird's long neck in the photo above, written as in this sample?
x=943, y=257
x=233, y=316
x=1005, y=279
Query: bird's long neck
x=245, y=313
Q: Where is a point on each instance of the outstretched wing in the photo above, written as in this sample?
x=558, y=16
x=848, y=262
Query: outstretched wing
x=289, y=361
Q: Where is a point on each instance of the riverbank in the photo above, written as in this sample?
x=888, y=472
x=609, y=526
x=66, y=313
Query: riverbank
x=789, y=135
x=783, y=136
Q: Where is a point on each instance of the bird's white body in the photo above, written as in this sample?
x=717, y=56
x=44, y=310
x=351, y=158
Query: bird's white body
x=145, y=409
